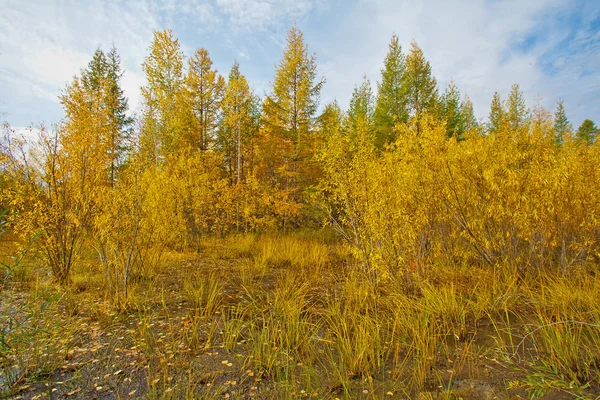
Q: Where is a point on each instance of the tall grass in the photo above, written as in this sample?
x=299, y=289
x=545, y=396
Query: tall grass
x=205, y=292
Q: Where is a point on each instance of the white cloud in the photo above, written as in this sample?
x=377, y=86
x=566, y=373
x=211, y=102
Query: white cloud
x=471, y=42
x=43, y=44
x=262, y=13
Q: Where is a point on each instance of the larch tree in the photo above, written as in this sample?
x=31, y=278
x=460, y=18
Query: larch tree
x=361, y=103
x=105, y=69
x=166, y=117
x=205, y=89
x=85, y=132
x=289, y=114
x=239, y=125
x=331, y=120
x=334, y=140
x=587, y=132
x=517, y=114
x=468, y=116
x=497, y=115
x=391, y=104
x=540, y=120
x=452, y=113
x=419, y=85
x=562, y=126
x=359, y=125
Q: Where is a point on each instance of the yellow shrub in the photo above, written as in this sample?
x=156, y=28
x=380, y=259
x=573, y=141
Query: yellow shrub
x=514, y=196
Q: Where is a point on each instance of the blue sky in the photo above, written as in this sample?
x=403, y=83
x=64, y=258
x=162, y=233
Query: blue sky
x=550, y=47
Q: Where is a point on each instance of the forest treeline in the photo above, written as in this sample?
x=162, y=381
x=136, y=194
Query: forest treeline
x=408, y=176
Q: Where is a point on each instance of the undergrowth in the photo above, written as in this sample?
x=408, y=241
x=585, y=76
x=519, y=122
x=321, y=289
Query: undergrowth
x=293, y=317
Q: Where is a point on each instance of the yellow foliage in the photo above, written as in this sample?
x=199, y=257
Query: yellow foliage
x=49, y=198
x=514, y=196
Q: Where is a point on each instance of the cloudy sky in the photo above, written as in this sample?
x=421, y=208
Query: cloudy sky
x=550, y=47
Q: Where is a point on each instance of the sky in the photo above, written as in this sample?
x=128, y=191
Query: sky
x=551, y=48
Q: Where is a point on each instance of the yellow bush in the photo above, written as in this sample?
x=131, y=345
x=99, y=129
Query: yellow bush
x=514, y=196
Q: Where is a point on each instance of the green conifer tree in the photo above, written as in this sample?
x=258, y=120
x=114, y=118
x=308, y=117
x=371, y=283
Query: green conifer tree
x=360, y=119
x=289, y=116
x=517, y=114
x=452, y=112
x=562, y=126
x=205, y=89
x=419, y=85
x=391, y=104
x=497, y=115
x=166, y=117
x=587, y=132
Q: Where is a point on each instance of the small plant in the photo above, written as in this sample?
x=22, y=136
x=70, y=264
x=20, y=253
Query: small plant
x=234, y=328
x=15, y=269
x=205, y=292
x=358, y=339
x=147, y=339
x=31, y=342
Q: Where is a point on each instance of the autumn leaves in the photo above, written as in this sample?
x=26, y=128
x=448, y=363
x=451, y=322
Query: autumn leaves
x=408, y=176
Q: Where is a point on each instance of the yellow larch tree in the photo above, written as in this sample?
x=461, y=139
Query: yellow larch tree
x=204, y=89
x=239, y=126
x=166, y=118
x=288, y=120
